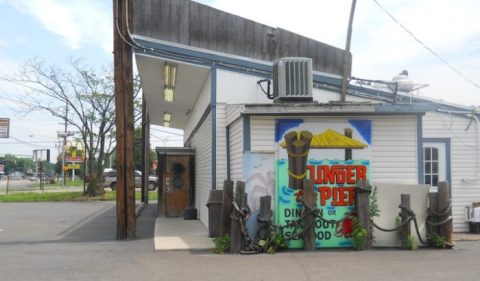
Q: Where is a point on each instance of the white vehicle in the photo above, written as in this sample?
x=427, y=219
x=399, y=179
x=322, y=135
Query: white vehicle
x=110, y=180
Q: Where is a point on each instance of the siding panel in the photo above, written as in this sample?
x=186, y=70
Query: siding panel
x=464, y=160
x=201, y=104
x=262, y=134
x=236, y=151
x=221, y=152
x=202, y=143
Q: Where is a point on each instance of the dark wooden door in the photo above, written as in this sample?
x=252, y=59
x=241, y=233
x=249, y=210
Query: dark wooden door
x=177, y=184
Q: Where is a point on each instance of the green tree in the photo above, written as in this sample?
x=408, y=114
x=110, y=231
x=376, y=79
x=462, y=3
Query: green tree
x=16, y=164
x=82, y=97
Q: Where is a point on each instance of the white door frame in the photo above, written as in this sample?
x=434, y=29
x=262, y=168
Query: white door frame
x=444, y=166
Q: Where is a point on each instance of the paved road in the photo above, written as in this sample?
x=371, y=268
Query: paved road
x=75, y=241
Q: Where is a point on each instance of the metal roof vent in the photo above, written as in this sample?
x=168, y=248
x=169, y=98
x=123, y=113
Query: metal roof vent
x=292, y=79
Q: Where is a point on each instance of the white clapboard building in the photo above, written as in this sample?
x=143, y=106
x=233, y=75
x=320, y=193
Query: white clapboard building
x=207, y=72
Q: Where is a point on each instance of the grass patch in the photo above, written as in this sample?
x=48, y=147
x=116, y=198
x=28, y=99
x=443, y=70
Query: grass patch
x=76, y=196
x=58, y=184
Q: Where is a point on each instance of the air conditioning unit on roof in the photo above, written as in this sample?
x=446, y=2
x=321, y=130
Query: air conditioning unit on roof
x=292, y=79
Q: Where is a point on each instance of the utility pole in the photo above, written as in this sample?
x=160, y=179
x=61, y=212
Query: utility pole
x=123, y=81
x=347, y=63
x=64, y=135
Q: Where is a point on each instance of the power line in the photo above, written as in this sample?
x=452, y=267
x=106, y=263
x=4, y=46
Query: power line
x=29, y=142
x=444, y=61
x=163, y=131
x=26, y=143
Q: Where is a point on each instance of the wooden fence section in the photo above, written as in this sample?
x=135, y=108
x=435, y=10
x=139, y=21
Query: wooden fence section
x=190, y=23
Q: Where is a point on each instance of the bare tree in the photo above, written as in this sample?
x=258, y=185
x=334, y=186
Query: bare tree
x=82, y=97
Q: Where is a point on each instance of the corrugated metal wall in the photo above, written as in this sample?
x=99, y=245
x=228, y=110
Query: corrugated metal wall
x=464, y=160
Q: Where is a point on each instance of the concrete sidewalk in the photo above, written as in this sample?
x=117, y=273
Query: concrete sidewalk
x=178, y=234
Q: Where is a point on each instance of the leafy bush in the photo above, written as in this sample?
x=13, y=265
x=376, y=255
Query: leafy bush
x=410, y=243
x=222, y=244
x=437, y=241
x=359, y=235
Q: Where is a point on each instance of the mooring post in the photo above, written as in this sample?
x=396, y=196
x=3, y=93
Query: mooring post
x=404, y=214
x=433, y=207
x=309, y=218
x=236, y=230
x=226, y=220
x=264, y=217
x=443, y=204
x=362, y=193
x=214, y=205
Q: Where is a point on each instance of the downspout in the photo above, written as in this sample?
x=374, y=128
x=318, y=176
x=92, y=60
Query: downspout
x=477, y=177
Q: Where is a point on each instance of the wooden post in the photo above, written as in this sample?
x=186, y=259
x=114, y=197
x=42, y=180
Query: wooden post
x=236, y=230
x=406, y=229
x=362, y=200
x=433, y=207
x=8, y=181
x=145, y=155
x=145, y=152
x=123, y=80
x=309, y=219
x=264, y=217
x=348, y=151
x=443, y=202
x=226, y=220
x=214, y=212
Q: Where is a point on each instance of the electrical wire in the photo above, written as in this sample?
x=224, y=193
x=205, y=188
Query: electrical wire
x=26, y=143
x=170, y=54
x=267, y=93
x=164, y=131
x=444, y=61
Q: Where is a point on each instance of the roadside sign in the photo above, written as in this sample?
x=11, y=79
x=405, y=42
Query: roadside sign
x=2, y=169
x=73, y=166
x=4, y=128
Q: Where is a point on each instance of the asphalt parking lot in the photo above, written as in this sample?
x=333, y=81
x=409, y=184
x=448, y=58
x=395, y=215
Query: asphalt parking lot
x=76, y=241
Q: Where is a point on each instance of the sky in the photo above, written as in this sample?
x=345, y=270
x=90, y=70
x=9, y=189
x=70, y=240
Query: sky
x=54, y=30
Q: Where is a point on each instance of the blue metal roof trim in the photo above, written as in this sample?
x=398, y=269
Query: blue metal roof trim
x=225, y=62
x=201, y=55
x=406, y=108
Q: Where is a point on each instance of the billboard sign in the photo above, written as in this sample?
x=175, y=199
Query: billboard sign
x=75, y=152
x=4, y=128
x=334, y=154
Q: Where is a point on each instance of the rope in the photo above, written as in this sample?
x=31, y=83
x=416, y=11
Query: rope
x=297, y=155
x=390, y=229
x=431, y=223
x=418, y=231
x=298, y=177
x=442, y=213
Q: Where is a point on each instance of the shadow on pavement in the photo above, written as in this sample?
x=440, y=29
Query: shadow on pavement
x=102, y=226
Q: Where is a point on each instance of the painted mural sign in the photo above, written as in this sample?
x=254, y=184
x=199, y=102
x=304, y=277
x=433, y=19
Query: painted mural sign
x=334, y=155
x=259, y=177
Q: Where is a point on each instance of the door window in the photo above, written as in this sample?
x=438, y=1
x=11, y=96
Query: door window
x=430, y=166
x=434, y=164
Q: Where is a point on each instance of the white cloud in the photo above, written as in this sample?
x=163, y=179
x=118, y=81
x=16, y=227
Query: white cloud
x=320, y=19
x=78, y=22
